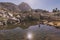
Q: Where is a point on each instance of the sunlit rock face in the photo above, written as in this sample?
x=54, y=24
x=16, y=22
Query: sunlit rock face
x=24, y=7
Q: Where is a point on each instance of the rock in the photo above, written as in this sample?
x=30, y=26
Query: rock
x=1, y=23
x=51, y=23
x=58, y=24
x=45, y=22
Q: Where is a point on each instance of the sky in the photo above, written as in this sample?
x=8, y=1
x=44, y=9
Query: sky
x=38, y=4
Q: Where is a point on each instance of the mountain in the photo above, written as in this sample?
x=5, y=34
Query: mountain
x=9, y=6
x=24, y=7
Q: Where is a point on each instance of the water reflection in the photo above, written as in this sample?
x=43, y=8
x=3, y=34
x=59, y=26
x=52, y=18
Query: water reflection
x=44, y=32
x=29, y=36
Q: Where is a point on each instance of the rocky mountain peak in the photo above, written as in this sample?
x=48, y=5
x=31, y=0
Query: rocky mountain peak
x=24, y=7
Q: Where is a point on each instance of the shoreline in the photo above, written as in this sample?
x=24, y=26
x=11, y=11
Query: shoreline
x=25, y=25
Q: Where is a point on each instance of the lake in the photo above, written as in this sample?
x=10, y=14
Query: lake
x=35, y=32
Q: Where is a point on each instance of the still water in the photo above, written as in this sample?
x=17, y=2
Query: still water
x=44, y=32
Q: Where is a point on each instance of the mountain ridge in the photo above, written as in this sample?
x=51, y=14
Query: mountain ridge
x=16, y=8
